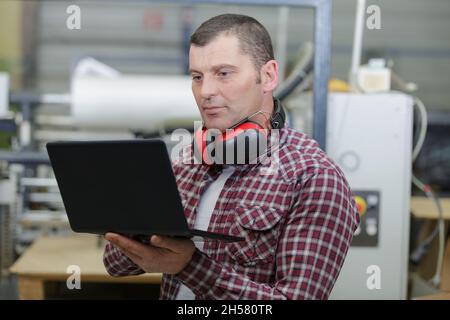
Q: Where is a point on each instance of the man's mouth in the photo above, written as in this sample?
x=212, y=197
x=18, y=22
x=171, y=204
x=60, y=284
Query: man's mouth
x=211, y=110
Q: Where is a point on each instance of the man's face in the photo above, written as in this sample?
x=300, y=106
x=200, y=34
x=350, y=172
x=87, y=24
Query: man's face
x=224, y=82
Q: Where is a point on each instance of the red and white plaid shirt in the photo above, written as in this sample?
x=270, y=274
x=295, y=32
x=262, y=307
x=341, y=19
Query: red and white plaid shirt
x=298, y=224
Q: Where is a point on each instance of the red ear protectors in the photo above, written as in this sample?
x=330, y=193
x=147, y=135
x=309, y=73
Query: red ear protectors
x=242, y=143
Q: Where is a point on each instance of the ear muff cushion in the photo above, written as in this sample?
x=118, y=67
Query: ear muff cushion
x=244, y=132
x=242, y=144
x=199, y=146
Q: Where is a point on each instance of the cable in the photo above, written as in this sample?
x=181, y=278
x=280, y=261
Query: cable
x=423, y=127
x=422, y=249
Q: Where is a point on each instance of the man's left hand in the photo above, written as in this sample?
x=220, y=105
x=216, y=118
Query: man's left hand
x=164, y=255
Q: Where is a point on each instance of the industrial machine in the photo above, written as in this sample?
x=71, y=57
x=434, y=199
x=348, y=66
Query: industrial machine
x=370, y=137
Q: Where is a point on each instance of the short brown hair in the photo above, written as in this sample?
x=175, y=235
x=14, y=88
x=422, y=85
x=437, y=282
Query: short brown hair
x=254, y=39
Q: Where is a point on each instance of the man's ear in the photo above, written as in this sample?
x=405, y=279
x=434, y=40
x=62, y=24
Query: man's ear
x=269, y=76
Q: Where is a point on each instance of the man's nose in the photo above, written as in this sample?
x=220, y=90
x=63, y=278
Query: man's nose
x=209, y=88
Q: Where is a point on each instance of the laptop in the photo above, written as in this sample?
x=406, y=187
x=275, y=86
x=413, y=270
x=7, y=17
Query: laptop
x=122, y=186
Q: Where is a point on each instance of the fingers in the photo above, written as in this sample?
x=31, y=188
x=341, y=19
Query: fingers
x=109, y=235
x=125, y=244
x=137, y=249
x=170, y=243
x=136, y=259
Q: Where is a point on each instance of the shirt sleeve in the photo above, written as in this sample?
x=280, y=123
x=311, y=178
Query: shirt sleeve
x=118, y=264
x=311, y=250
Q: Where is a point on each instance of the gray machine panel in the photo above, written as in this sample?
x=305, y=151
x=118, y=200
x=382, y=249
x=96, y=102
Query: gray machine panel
x=370, y=138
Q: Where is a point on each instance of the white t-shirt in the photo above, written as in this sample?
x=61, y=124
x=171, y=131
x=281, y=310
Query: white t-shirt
x=205, y=209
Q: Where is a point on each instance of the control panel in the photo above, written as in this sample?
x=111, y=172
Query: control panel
x=368, y=204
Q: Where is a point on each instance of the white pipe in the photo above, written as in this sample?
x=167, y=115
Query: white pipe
x=357, y=40
x=4, y=94
x=56, y=98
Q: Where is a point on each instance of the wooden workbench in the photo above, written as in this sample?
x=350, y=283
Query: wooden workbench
x=423, y=207
x=47, y=259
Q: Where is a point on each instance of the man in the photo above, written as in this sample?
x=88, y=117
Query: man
x=297, y=222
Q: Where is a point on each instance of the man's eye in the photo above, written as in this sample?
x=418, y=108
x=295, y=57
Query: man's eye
x=224, y=74
x=196, y=78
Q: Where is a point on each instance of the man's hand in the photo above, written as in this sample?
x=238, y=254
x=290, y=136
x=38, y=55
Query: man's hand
x=164, y=255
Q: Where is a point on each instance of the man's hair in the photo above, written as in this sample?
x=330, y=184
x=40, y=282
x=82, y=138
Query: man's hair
x=254, y=39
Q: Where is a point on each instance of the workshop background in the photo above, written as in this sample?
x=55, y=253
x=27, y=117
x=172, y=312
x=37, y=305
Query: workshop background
x=385, y=91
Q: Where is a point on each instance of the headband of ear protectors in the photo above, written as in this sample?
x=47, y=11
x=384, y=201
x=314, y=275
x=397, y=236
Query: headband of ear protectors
x=242, y=143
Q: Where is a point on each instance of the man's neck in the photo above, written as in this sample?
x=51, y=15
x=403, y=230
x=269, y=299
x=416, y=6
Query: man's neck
x=263, y=118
